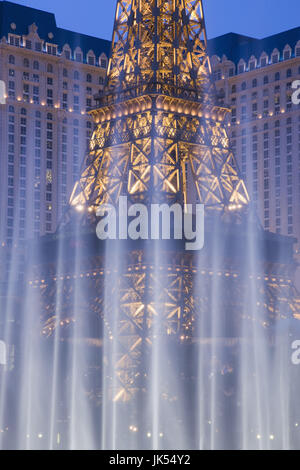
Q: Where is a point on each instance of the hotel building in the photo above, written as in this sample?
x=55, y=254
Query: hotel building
x=254, y=78
x=50, y=77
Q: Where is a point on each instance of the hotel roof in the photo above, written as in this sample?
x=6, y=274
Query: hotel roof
x=22, y=17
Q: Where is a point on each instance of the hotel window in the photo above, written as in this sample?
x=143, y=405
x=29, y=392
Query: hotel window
x=25, y=75
x=49, y=81
x=297, y=51
x=231, y=72
x=91, y=60
x=288, y=73
x=49, y=68
x=101, y=80
x=89, y=78
x=51, y=49
x=65, y=101
x=67, y=54
x=275, y=58
x=263, y=61
x=36, y=78
x=233, y=89
x=277, y=76
x=78, y=57
x=254, y=83
x=28, y=44
x=11, y=60
x=36, y=65
x=26, y=63
x=14, y=40
x=244, y=86
x=103, y=63
x=252, y=65
x=65, y=85
x=266, y=79
x=26, y=92
x=241, y=68
x=76, y=75
x=65, y=73
x=38, y=47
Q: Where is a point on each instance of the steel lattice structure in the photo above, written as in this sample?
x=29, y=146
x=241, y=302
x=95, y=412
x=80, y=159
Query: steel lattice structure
x=158, y=123
x=160, y=137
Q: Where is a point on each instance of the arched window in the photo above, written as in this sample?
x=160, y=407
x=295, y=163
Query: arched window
x=11, y=109
x=11, y=59
x=254, y=83
x=76, y=75
x=244, y=86
x=26, y=63
x=49, y=68
x=23, y=112
x=103, y=63
x=266, y=79
x=288, y=73
x=89, y=78
x=36, y=65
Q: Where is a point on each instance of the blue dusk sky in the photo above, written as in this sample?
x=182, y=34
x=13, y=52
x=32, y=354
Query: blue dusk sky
x=258, y=18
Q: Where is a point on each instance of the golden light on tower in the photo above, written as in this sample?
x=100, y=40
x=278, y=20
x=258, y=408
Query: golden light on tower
x=161, y=137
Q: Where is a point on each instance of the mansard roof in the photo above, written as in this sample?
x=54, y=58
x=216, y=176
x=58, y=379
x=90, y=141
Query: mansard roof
x=22, y=17
x=236, y=46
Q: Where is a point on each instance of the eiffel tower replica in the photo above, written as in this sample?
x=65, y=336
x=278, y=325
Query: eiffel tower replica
x=160, y=137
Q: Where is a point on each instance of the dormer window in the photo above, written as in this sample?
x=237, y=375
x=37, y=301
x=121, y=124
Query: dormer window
x=103, y=63
x=67, y=54
x=241, y=68
x=14, y=40
x=286, y=54
x=51, y=49
x=275, y=58
x=252, y=65
x=91, y=60
x=78, y=57
x=28, y=44
x=38, y=47
x=263, y=61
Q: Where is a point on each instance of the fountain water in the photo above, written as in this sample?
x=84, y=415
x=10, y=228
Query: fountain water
x=142, y=344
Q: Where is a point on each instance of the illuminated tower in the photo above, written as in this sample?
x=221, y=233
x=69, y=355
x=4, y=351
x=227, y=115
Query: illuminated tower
x=160, y=137
x=158, y=124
